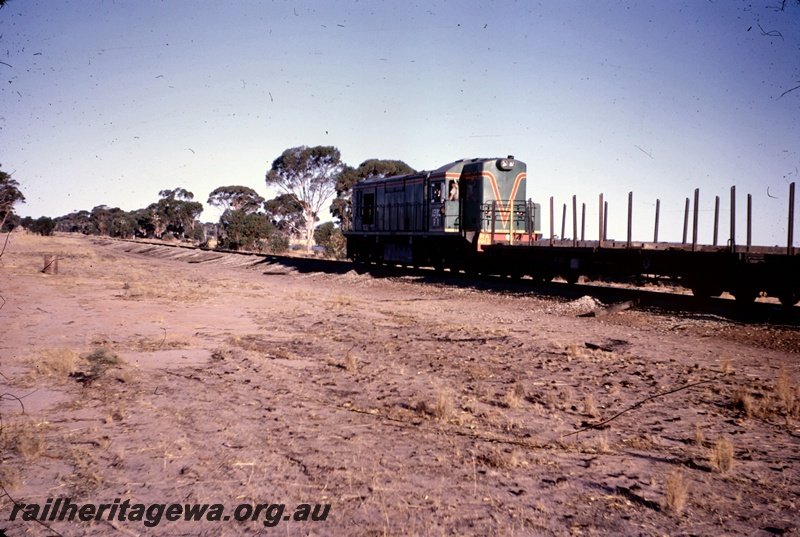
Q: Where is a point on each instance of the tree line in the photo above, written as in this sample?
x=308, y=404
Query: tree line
x=307, y=178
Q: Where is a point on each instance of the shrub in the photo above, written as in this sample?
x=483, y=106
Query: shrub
x=278, y=243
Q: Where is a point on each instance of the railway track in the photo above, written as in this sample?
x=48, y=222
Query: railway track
x=761, y=311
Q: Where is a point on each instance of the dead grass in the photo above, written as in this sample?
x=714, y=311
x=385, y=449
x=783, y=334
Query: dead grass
x=444, y=405
x=351, y=361
x=56, y=362
x=165, y=342
x=251, y=342
x=504, y=459
x=100, y=360
x=751, y=405
x=589, y=406
x=138, y=283
x=699, y=436
x=10, y=477
x=514, y=396
x=603, y=444
x=25, y=438
x=342, y=301
x=722, y=455
x=677, y=492
x=788, y=394
x=783, y=399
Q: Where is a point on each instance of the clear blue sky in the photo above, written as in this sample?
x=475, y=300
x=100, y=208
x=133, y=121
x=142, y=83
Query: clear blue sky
x=108, y=102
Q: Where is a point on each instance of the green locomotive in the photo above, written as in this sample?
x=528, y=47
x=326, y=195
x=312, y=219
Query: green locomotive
x=445, y=217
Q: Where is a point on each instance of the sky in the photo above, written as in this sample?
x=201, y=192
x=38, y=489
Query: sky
x=108, y=102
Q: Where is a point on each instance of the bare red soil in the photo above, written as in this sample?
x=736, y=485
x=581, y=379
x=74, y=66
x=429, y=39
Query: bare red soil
x=164, y=376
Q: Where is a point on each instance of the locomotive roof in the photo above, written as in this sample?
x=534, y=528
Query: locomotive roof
x=452, y=167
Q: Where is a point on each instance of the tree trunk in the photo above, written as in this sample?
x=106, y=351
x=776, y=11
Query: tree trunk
x=309, y=214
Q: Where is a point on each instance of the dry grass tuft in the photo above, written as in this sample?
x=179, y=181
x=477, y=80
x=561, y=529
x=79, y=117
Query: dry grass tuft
x=10, y=478
x=444, y=405
x=575, y=350
x=699, y=436
x=251, y=342
x=566, y=395
x=788, y=394
x=223, y=353
x=747, y=404
x=421, y=407
x=100, y=360
x=497, y=458
x=677, y=491
x=589, y=406
x=162, y=343
x=57, y=362
x=603, y=444
x=342, y=301
x=515, y=396
x=26, y=439
x=351, y=362
x=722, y=455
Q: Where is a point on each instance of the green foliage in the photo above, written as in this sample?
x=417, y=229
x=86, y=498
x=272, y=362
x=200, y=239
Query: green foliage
x=242, y=231
x=341, y=207
x=114, y=222
x=323, y=233
x=331, y=238
x=122, y=225
x=174, y=213
x=177, y=193
x=9, y=196
x=198, y=233
x=44, y=226
x=286, y=214
x=145, y=225
x=75, y=222
x=12, y=221
x=278, y=242
x=307, y=173
x=237, y=197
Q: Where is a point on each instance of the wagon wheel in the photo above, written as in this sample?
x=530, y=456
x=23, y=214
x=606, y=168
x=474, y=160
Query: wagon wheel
x=705, y=291
x=540, y=278
x=745, y=295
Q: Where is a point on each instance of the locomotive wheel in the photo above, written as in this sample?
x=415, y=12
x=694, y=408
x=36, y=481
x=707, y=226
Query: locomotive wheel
x=789, y=299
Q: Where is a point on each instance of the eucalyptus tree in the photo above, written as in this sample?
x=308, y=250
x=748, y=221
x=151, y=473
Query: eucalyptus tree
x=309, y=175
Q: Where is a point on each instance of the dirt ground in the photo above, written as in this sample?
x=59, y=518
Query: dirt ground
x=167, y=376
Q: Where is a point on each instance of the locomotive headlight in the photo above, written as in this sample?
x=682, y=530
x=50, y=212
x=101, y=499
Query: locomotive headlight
x=505, y=164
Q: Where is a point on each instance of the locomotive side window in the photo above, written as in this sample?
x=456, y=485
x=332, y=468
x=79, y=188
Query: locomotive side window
x=368, y=215
x=436, y=192
x=453, y=191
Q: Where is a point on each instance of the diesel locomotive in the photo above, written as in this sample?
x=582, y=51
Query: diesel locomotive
x=445, y=217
